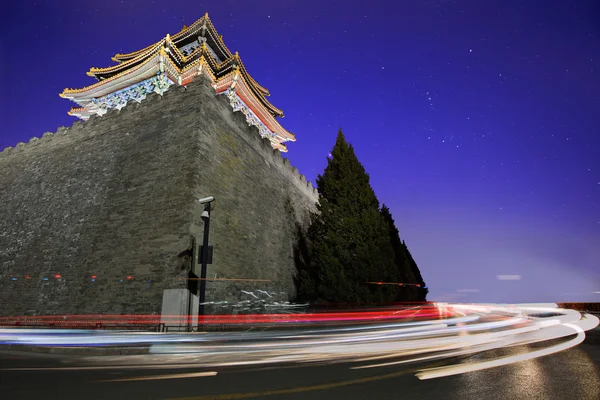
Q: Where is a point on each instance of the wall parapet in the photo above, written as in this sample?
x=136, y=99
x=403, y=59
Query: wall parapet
x=62, y=134
x=47, y=137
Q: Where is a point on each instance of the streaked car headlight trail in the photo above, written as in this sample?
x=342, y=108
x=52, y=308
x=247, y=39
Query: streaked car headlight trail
x=366, y=339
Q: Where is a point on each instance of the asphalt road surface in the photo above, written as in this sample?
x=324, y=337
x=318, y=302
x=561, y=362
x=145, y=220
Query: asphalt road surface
x=570, y=374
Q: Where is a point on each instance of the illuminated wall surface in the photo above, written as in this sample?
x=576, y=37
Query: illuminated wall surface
x=93, y=217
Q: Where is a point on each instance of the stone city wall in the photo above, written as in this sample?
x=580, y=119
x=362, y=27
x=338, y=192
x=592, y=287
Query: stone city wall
x=96, y=218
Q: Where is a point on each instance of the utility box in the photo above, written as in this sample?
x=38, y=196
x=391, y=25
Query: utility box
x=210, y=255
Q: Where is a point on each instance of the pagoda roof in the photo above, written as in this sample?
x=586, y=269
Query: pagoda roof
x=220, y=59
x=149, y=67
x=197, y=28
x=195, y=50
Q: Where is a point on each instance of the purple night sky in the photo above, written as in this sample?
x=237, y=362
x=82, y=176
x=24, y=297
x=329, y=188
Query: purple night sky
x=478, y=121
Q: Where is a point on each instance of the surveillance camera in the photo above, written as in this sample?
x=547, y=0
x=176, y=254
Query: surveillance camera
x=206, y=200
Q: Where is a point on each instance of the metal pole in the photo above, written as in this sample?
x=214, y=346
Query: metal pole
x=190, y=298
x=204, y=261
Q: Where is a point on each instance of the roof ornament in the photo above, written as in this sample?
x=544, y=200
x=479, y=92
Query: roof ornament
x=236, y=76
x=161, y=62
x=161, y=84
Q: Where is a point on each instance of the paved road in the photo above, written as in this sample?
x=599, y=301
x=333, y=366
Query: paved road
x=571, y=374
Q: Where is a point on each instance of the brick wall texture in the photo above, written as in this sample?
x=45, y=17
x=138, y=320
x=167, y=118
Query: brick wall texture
x=115, y=197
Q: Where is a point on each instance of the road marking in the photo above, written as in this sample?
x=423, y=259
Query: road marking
x=155, y=377
x=301, y=389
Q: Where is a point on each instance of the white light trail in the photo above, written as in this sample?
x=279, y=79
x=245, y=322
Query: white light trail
x=468, y=329
x=477, y=366
x=156, y=377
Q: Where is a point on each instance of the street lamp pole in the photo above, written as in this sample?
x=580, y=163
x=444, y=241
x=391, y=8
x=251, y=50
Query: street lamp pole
x=206, y=218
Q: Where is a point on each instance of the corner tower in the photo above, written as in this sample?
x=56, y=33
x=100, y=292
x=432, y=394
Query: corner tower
x=102, y=217
x=177, y=60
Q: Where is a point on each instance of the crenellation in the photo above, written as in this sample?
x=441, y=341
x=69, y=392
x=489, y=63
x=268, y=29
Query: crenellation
x=62, y=130
x=277, y=158
x=78, y=124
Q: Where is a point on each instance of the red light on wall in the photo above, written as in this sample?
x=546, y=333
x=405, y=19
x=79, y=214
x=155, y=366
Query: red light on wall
x=380, y=283
x=27, y=277
x=93, y=276
x=57, y=276
x=418, y=285
x=129, y=277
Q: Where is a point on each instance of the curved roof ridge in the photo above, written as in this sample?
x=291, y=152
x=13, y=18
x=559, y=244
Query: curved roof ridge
x=150, y=49
x=68, y=91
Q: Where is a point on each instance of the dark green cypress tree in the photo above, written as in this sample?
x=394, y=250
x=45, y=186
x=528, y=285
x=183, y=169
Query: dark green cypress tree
x=423, y=289
x=349, y=239
x=405, y=272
